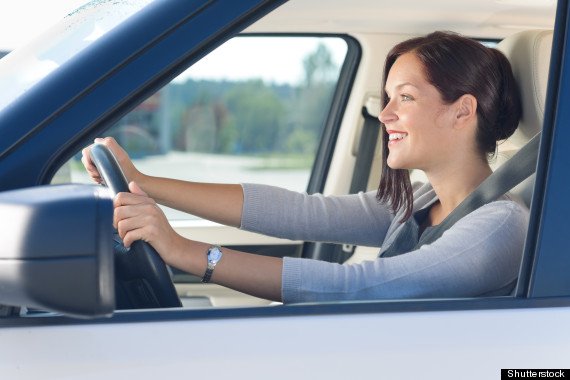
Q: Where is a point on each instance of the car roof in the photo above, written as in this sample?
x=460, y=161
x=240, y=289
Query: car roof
x=477, y=18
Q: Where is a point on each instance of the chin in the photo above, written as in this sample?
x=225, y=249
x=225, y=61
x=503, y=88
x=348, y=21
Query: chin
x=392, y=164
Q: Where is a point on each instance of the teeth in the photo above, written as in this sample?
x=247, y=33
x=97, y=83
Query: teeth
x=396, y=136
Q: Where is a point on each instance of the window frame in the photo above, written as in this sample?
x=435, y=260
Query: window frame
x=544, y=279
x=545, y=270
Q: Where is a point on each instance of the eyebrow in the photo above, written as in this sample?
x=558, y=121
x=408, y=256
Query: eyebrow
x=399, y=86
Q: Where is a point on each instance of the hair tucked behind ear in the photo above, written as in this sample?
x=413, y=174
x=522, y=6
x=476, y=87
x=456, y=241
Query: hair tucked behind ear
x=456, y=66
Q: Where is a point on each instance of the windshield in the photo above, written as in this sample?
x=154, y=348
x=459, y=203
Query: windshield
x=26, y=66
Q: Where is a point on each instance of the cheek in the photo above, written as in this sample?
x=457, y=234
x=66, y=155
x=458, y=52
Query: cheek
x=444, y=116
x=440, y=123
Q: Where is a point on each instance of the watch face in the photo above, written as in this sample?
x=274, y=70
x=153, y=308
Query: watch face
x=215, y=254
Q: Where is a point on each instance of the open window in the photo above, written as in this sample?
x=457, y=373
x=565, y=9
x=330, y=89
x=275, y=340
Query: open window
x=254, y=110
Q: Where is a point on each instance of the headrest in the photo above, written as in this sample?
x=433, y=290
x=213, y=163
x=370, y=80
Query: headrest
x=529, y=55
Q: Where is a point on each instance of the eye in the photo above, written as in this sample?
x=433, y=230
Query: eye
x=406, y=98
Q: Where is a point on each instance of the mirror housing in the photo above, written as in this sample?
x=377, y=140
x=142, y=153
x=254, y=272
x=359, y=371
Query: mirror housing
x=56, y=251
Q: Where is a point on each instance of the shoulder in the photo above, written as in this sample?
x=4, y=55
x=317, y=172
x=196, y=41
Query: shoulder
x=502, y=220
x=506, y=211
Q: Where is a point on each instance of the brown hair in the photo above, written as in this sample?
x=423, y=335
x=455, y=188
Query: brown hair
x=455, y=66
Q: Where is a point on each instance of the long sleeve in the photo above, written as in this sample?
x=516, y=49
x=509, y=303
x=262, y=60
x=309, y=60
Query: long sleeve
x=351, y=219
x=479, y=255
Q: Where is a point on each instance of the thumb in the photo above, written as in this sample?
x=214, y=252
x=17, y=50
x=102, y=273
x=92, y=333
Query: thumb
x=135, y=189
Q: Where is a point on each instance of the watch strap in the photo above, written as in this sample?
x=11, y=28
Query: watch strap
x=211, y=262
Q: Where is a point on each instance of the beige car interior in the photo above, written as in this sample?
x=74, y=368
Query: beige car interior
x=529, y=54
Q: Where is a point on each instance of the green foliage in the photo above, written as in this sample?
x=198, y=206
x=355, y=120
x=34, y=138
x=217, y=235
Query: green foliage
x=257, y=115
x=301, y=141
x=247, y=117
x=319, y=66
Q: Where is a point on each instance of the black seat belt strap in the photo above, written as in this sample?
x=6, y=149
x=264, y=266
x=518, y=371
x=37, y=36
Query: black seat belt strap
x=339, y=253
x=365, y=155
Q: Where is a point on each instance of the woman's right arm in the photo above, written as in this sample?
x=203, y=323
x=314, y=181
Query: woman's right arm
x=352, y=219
x=221, y=203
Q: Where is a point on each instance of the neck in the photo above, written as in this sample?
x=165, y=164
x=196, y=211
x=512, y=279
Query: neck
x=453, y=184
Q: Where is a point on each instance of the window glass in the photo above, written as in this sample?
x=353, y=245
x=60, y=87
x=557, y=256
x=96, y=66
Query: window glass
x=251, y=111
x=24, y=67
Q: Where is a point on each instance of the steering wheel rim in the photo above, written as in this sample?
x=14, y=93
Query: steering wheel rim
x=142, y=279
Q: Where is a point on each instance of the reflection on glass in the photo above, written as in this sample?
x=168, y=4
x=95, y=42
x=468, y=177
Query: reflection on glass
x=24, y=67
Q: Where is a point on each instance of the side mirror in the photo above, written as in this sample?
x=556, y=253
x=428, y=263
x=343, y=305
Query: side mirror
x=56, y=250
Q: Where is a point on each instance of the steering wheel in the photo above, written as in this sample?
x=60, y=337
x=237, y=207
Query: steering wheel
x=142, y=279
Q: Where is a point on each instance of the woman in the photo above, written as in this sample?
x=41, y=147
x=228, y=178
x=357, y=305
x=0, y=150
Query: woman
x=447, y=101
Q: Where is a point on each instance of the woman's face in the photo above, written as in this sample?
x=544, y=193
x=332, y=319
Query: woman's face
x=419, y=124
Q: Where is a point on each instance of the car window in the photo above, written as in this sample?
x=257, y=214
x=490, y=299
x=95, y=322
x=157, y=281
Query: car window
x=251, y=111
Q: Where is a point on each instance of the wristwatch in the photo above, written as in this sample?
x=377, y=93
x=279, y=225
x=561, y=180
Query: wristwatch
x=214, y=255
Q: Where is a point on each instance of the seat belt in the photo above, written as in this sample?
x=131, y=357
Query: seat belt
x=362, y=165
x=518, y=168
x=339, y=253
x=365, y=155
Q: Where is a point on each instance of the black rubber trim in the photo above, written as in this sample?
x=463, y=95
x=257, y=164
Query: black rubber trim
x=297, y=310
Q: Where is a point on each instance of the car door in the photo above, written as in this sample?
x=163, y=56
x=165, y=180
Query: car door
x=457, y=338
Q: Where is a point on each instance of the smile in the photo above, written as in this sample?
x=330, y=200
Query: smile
x=396, y=137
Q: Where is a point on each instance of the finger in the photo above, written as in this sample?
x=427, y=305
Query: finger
x=89, y=166
x=132, y=236
x=126, y=199
x=138, y=234
x=143, y=224
x=123, y=212
x=121, y=155
x=110, y=143
x=139, y=227
x=135, y=189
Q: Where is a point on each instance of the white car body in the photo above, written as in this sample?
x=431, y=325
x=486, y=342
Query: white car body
x=248, y=338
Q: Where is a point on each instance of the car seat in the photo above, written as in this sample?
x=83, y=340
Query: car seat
x=529, y=55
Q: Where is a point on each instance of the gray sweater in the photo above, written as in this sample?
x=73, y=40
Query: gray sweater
x=479, y=256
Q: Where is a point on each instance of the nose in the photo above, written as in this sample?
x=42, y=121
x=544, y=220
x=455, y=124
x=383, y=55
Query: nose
x=387, y=115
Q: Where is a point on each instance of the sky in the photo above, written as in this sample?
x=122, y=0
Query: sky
x=22, y=20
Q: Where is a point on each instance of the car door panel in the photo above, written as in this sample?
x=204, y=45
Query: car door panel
x=398, y=345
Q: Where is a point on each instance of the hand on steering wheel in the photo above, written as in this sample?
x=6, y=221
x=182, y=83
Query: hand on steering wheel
x=121, y=157
x=142, y=279
x=138, y=217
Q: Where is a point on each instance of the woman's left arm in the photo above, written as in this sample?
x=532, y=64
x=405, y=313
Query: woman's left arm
x=480, y=255
x=138, y=217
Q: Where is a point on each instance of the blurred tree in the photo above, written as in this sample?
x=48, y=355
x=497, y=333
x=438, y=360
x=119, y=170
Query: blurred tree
x=319, y=66
x=256, y=114
x=312, y=102
x=248, y=117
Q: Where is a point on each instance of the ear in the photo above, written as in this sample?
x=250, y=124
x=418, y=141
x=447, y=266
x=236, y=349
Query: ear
x=466, y=111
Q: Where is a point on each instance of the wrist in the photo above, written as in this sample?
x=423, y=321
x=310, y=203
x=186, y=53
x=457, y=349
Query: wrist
x=135, y=175
x=176, y=254
x=187, y=255
x=140, y=179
